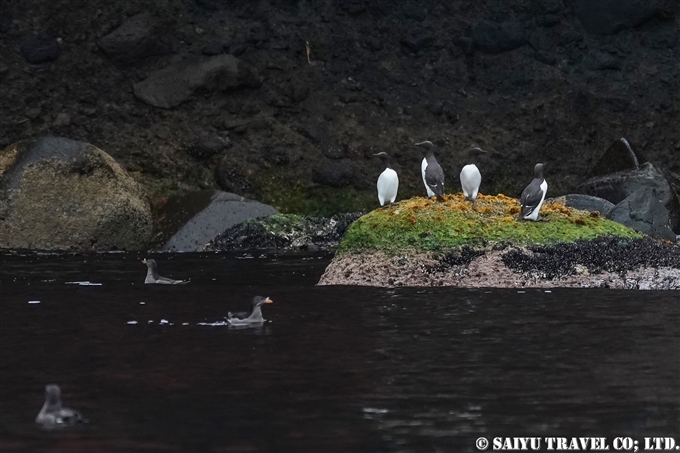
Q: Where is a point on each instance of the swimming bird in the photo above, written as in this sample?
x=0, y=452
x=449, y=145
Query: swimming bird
x=254, y=317
x=153, y=277
x=53, y=414
x=470, y=177
x=533, y=196
x=388, y=181
x=433, y=175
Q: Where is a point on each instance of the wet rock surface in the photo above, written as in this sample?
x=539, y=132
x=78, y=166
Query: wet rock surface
x=595, y=256
x=175, y=84
x=284, y=232
x=600, y=263
x=138, y=37
x=61, y=194
x=188, y=222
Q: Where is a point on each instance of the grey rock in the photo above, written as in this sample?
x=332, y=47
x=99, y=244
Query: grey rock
x=618, y=157
x=497, y=37
x=194, y=219
x=62, y=119
x=137, y=38
x=33, y=113
x=208, y=145
x=606, y=17
x=588, y=203
x=39, y=47
x=643, y=211
x=616, y=187
x=598, y=60
x=61, y=194
x=176, y=83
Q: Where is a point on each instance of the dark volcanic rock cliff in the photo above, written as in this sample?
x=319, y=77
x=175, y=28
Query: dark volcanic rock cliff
x=333, y=82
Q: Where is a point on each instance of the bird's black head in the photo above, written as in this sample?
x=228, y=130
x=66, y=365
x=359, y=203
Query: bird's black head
x=150, y=263
x=259, y=300
x=476, y=151
x=538, y=171
x=385, y=158
x=52, y=393
x=427, y=145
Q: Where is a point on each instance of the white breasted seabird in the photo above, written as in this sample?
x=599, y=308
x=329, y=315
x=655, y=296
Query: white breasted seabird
x=470, y=177
x=53, y=414
x=152, y=275
x=433, y=175
x=533, y=196
x=252, y=317
x=388, y=181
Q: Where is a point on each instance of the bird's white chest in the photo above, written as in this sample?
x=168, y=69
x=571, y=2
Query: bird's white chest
x=388, y=184
x=470, y=179
x=423, y=167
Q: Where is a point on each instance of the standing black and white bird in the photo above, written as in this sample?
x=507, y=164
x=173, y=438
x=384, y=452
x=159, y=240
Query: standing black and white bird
x=252, y=317
x=533, y=196
x=152, y=275
x=470, y=177
x=388, y=181
x=433, y=175
x=53, y=414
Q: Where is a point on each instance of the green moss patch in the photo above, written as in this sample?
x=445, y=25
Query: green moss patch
x=422, y=224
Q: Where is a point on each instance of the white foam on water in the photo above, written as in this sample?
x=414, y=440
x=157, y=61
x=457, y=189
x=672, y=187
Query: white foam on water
x=185, y=323
x=150, y=321
x=132, y=322
x=218, y=323
x=521, y=292
x=374, y=410
x=33, y=301
x=547, y=291
x=163, y=321
x=142, y=303
x=84, y=283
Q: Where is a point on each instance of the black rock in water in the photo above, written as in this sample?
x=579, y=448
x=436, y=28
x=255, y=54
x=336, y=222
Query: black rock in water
x=282, y=231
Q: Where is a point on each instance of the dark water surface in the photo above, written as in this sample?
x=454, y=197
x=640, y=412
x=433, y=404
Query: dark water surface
x=333, y=368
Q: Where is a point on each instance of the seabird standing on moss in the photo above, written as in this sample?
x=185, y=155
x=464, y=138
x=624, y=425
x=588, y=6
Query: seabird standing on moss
x=388, y=181
x=53, y=414
x=152, y=275
x=252, y=317
x=470, y=177
x=533, y=196
x=433, y=175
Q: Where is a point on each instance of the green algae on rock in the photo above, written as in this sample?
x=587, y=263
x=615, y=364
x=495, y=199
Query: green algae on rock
x=427, y=225
x=451, y=242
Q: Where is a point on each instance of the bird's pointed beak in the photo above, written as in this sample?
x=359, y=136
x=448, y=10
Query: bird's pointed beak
x=144, y=261
x=268, y=301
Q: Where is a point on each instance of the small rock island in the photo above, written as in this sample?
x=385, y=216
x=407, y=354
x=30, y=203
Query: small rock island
x=452, y=242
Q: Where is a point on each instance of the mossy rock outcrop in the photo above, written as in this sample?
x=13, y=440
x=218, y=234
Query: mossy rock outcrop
x=61, y=194
x=450, y=241
x=421, y=224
